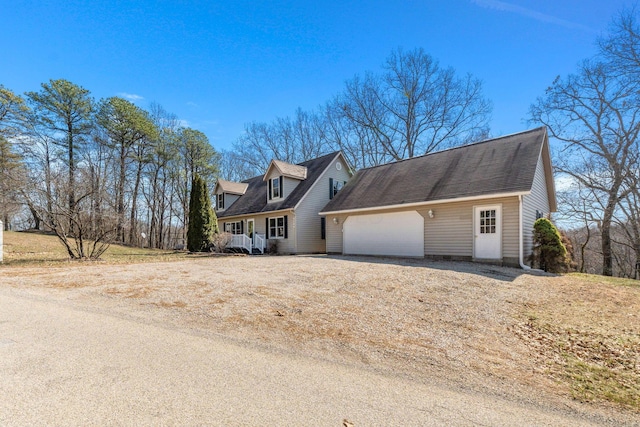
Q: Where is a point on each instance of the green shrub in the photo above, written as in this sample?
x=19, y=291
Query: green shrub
x=549, y=254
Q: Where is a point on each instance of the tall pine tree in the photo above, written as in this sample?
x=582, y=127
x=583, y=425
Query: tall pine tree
x=202, y=219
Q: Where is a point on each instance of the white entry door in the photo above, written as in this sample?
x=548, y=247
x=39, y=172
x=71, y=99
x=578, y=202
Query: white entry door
x=488, y=232
x=250, y=228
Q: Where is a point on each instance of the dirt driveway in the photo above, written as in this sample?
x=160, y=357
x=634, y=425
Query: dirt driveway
x=452, y=324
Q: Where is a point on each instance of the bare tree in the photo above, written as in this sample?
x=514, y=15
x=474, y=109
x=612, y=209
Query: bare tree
x=292, y=140
x=416, y=107
x=595, y=115
x=234, y=168
x=359, y=144
x=82, y=236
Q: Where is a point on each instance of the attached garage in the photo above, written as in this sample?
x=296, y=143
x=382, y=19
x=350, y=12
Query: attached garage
x=395, y=234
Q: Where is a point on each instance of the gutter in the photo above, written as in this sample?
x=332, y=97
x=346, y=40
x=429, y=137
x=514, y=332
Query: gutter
x=521, y=237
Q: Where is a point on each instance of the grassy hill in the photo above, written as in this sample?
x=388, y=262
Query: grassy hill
x=28, y=248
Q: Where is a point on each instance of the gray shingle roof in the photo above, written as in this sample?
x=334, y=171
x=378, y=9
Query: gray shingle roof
x=254, y=199
x=501, y=165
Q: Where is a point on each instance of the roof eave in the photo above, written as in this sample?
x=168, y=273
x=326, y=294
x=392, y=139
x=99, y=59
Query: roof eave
x=426, y=203
x=250, y=214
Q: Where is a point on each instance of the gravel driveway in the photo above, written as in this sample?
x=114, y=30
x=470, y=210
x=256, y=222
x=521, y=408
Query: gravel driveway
x=366, y=334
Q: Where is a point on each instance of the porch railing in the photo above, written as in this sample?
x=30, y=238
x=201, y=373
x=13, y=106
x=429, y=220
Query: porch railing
x=241, y=241
x=259, y=243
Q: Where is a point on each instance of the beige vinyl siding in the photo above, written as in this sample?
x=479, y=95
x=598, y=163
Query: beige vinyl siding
x=289, y=184
x=230, y=199
x=537, y=200
x=274, y=173
x=286, y=246
x=334, y=234
x=450, y=231
x=308, y=230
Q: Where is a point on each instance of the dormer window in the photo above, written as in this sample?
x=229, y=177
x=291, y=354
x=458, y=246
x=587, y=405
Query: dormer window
x=275, y=188
x=335, y=186
x=220, y=205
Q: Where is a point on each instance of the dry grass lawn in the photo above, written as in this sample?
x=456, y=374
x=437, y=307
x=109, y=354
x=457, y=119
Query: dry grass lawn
x=477, y=326
x=27, y=248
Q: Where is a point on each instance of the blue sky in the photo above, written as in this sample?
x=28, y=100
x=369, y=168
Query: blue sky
x=219, y=65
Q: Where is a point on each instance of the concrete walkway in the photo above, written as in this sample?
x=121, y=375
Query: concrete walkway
x=60, y=365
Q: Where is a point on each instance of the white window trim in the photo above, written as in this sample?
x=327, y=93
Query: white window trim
x=219, y=199
x=274, y=187
x=276, y=237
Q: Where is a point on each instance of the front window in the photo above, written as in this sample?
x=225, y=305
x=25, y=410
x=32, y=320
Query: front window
x=220, y=201
x=233, y=227
x=276, y=228
x=275, y=188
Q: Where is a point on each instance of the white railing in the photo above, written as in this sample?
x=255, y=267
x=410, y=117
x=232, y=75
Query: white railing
x=244, y=242
x=241, y=241
x=259, y=243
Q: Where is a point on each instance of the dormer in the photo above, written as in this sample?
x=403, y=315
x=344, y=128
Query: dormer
x=227, y=192
x=282, y=178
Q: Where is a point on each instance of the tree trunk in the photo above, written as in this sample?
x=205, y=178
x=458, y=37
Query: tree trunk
x=607, y=258
x=134, y=200
x=72, y=171
x=583, y=247
x=120, y=196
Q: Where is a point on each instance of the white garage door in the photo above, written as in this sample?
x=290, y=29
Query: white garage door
x=396, y=234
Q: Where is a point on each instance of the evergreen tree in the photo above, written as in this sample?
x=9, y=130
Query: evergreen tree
x=202, y=219
x=548, y=251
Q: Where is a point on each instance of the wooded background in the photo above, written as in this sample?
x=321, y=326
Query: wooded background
x=110, y=171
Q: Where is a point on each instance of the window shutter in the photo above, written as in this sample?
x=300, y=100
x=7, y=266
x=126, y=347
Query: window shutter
x=241, y=227
x=266, y=227
x=323, y=228
x=286, y=228
x=222, y=207
x=330, y=188
x=269, y=193
x=281, y=187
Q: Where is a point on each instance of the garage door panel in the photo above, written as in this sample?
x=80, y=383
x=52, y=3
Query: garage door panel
x=395, y=234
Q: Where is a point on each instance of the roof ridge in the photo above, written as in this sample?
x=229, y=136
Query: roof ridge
x=335, y=153
x=456, y=148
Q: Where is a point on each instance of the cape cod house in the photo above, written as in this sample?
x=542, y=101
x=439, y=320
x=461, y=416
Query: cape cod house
x=475, y=202
x=281, y=207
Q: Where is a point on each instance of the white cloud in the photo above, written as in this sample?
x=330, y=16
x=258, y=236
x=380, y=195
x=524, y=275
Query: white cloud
x=131, y=96
x=529, y=13
x=192, y=104
x=183, y=123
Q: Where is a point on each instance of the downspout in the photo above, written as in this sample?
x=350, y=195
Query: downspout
x=521, y=237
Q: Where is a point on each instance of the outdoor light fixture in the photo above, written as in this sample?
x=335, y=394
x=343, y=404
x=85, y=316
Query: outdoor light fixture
x=335, y=220
x=430, y=213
